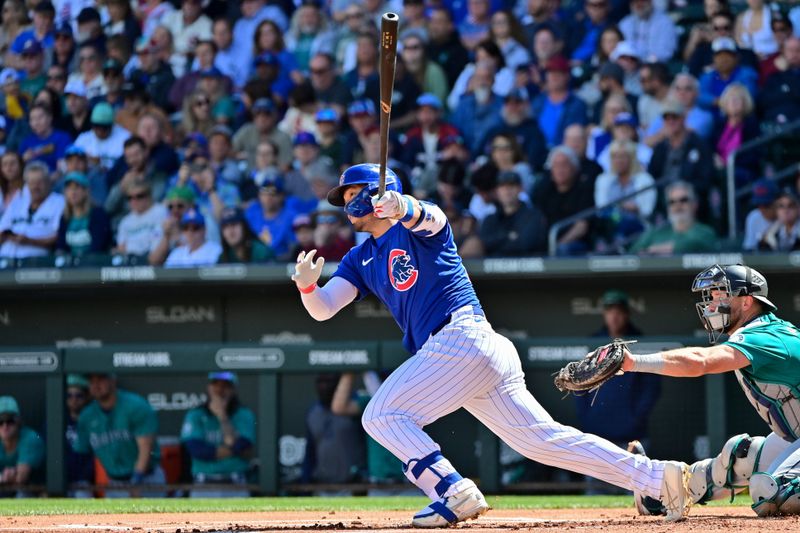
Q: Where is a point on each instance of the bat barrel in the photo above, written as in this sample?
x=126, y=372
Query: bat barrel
x=388, y=56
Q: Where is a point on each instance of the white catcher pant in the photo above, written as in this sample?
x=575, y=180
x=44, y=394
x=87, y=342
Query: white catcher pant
x=468, y=365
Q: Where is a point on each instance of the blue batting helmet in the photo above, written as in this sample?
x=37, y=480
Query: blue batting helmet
x=367, y=174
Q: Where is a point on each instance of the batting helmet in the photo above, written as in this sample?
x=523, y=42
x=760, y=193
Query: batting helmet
x=367, y=174
x=735, y=280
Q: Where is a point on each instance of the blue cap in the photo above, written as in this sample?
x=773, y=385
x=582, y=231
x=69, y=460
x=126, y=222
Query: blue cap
x=74, y=150
x=625, y=119
x=273, y=185
x=429, y=100
x=305, y=137
x=266, y=58
x=31, y=47
x=765, y=191
x=77, y=380
x=65, y=28
x=231, y=215
x=193, y=216
x=77, y=177
x=520, y=94
x=197, y=138
x=327, y=115
x=223, y=376
x=8, y=405
x=361, y=107
x=211, y=72
x=263, y=105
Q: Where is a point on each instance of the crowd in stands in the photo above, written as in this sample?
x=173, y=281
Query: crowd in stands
x=195, y=132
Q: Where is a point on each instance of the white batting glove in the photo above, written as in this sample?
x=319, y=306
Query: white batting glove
x=391, y=205
x=307, y=271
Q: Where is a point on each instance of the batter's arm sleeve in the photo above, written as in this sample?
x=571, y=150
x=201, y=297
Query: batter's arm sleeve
x=324, y=302
x=428, y=220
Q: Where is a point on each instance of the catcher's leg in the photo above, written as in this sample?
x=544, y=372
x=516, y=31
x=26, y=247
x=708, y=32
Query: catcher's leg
x=776, y=490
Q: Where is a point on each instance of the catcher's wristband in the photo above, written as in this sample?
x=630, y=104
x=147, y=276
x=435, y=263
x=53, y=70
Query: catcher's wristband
x=308, y=290
x=652, y=363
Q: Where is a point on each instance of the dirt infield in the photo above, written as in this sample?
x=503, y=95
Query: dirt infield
x=739, y=519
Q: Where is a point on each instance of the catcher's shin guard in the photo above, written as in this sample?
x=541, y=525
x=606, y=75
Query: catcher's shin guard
x=729, y=472
x=775, y=495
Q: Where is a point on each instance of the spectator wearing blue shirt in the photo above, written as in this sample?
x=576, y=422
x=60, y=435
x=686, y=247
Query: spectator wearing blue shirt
x=479, y=108
x=270, y=219
x=44, y=143
x=726, y=70
x=557, y=108
x=43, y=30
x=589, y=24
x=475, y=27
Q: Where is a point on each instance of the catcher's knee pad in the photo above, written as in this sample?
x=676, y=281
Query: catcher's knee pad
x=775, y=494
x=727, y=473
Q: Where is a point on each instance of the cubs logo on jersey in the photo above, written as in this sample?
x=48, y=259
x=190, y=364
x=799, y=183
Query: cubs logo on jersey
x=402, y=274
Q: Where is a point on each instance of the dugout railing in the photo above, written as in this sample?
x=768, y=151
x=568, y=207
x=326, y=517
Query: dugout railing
x=271, y=372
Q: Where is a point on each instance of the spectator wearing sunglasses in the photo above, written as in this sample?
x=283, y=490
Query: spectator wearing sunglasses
x=21, y=448
x=140, y=231
x=196, y=250
x=178, y=201
x=80, y=466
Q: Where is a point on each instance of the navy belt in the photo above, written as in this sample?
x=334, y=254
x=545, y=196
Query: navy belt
x=476, y=311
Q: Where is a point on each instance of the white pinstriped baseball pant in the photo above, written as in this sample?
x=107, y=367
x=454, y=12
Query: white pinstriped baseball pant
x=468, y=365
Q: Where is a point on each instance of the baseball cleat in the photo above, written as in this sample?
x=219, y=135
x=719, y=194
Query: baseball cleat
x=646, y=505
x=450, y=510
x=675, y=490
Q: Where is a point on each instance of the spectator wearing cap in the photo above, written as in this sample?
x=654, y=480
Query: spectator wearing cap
x=138, y=167
x=420, y=147
x=557, y=108
x=682, y=154
x=119, y=427
x=361, y=117
x=41, y=31
x=21, y=448
x=611, y=83
x=104, y=143
x=85, y=228
x=90, y=71
x=79, y=466
x=34, y=77
x=516, y=119
x=303, y=229
x=114, y=79
x=444, y=46
x=655, y=80
x=726, y=70
x=29, y=225
x=77, y=106
x=487, y=51
x=263, y=127
x=307, y=160
x=253, y=12
x=141, y=229
x=586, y=28
x=652, y=32
x=329, y=137
x=625, y=128
x=619, y=413
x=196, y=250
x=515, y=229
x=76, y=160
x=188, y=26
x=204, y=52
x=365, y=69
x=153, y=73
x=220, y=437
x=626, y=56
x=685, y=90
x=268, y=73
x=90, y=27
x=779, y=100
x=270, y=218
x=700, y=56
x=478, y=109
x=333, y=237
x=763, y=214
x=562, y=195
x=121, y=20
x=739, y=126
x=16, y=105
x=44, y=143
x=212, y=82
x=239, y=244
x=179, y=200
x=783, y=235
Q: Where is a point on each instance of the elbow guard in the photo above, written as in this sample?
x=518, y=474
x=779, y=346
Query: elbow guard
x=431, y=221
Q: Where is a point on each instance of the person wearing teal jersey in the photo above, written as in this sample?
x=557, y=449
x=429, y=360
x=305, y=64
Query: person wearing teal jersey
x=21, y=449
x=120, y=427
x=764, y=353
x=220, y=437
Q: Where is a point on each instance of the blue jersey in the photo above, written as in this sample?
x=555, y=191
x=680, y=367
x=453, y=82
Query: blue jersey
x=416, y=273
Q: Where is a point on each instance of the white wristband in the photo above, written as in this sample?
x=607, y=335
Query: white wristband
x=652, y=363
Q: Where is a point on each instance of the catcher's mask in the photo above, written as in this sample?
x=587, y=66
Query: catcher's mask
x=733, y=281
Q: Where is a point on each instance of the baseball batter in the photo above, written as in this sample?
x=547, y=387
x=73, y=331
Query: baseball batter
x=411, y=264
x=764, y=353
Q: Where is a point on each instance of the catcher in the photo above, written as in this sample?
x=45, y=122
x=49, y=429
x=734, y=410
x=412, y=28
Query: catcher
x=764, y=352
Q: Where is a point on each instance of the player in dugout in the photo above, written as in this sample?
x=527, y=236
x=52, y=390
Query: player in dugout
x=411, y=264
x=764, y=353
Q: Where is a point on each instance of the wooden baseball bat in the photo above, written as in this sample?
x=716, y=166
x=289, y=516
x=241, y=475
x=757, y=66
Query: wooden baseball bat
x=388, y=48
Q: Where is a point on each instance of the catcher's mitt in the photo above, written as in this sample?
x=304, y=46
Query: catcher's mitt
x=593, y=370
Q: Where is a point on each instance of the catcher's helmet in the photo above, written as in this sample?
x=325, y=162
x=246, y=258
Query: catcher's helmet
x=735, y=280
x=367, y=174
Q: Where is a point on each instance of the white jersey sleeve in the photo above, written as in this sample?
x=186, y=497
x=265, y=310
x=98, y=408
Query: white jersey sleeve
x=324, y=302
